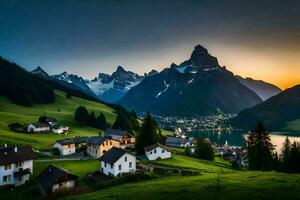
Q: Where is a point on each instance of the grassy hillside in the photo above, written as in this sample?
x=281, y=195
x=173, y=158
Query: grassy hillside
x=238, y=185
x=11, y=113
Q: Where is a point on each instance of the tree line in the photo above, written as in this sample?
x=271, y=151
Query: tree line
x=22, y=87
x=83, y=117
x=262, y=154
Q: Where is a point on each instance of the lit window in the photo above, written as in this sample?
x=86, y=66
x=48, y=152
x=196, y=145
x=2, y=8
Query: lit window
x=7, y=167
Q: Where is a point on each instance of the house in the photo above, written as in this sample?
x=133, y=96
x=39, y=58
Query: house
x=178, y=142
x=97, y=146
x=65, y=147
x=15, y=165
x=157, y=151
x=125, y=138
x=117, y=162
x=53, y=179
x=38, y=128
x=59, y=129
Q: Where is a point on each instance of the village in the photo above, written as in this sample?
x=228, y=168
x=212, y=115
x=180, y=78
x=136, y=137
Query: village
x=115, y=151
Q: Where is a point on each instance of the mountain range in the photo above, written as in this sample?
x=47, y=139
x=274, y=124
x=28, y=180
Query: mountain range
x=261, y=88
x=199, y=82
x=276, y=113
x=198, y=86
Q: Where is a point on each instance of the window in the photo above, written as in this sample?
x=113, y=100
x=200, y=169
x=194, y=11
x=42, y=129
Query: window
x=163, y=151
x=105, y=164
x=106, y=142
x=125, y=159
x=18, y=164
x=150, y=152
x=111, y=166
x=69, y=146
x=7, y=167
x=154, y=150
x=120, y=167
x=6, y=179
x=110, y=142
x=130, y=164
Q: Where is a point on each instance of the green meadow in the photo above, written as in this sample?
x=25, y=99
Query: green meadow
x=62, y=109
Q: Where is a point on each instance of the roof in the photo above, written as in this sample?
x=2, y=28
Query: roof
x=176, y=140
x=58, y=126
x=8, y=154
x=115, y=134
x=97, y=140
x=75, y=140
x=41, y=125
x=153, y=146
x=113, y=155
x=52, y=175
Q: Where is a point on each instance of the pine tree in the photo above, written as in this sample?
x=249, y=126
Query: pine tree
x=101, y=122
x=285, y=153
x=294, y=158
x=92, y=120
x=260, y=149
x=149, y=134
x=81, y=115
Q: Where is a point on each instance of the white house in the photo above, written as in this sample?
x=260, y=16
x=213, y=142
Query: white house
x=157, y=151
x=15, y=165
x=38, y=128
x=178, y=142
x=117, y=161
x=65, y=147
x=54, y=179
x=60, y=129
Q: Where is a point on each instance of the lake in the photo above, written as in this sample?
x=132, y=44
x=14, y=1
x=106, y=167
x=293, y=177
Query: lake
x=238, y=137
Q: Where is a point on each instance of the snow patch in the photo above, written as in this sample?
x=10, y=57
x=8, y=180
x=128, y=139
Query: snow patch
x=190, y=81
x=167, y=86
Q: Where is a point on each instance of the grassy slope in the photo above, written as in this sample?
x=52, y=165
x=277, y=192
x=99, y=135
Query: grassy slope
x=11, y=113
x=293, y=125
x=239, y=185
x=233, y=184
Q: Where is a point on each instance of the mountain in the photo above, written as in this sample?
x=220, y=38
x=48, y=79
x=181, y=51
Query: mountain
x=262, y=89
x=110, y=88
x=275, y=112
x=198, y=86
x=71, y=81
x=22, y=87
x=41, y=73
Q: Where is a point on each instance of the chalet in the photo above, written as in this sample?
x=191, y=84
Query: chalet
x=65, y=147
x=157, y=151
x=59, y=129
x=38, y=128
x=15, y=165
x=178, y=142
x=54, y=179
x=125, y=138
x=117, y=162
x=97, y=146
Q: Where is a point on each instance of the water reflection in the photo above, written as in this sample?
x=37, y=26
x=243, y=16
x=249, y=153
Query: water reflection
x=238, y=138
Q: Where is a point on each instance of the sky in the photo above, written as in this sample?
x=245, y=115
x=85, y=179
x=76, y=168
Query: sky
x=257, y=38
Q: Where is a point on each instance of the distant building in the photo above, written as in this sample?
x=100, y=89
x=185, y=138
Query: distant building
x=117, y=162
x=54, y=179
x=15, y=165
x=126, y=139
x=98, y=146
x=60, y=129
x=157, y=151
x=65, y=147
x=38, y=128
x=178, y=142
